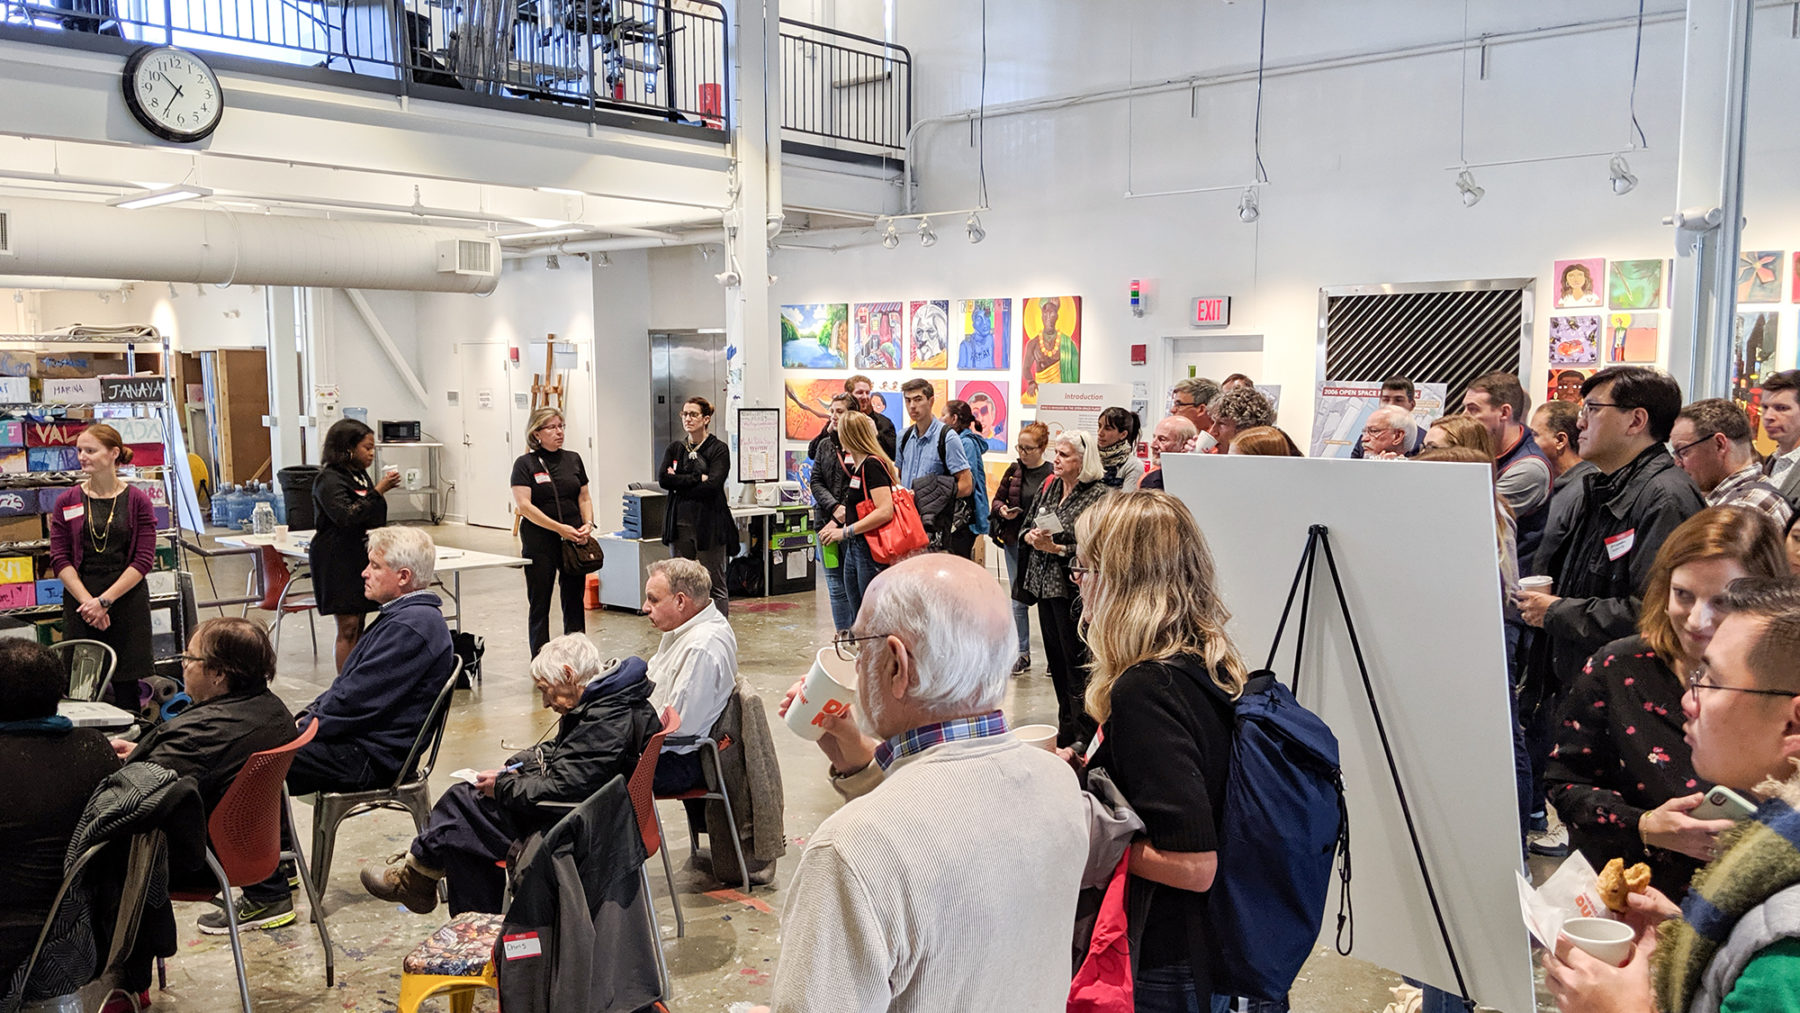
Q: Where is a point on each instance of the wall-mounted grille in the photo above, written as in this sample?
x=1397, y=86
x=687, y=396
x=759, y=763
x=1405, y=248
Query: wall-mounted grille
x=6, y=233
x=1448, y=337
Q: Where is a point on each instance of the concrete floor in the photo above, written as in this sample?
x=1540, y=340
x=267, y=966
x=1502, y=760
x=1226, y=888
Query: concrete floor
x=732, y=942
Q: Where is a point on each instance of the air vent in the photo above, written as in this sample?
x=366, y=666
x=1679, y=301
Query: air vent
x=466, y=256
x=6, y=233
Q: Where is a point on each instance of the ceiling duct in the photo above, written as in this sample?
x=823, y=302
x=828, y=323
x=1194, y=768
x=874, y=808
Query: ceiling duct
x=215, y=246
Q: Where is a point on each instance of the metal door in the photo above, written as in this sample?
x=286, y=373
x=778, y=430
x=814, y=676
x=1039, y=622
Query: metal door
x=487, y=434
x=684, y=364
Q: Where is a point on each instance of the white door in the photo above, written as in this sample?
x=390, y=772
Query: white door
x=487, y=434
x=1212, y=356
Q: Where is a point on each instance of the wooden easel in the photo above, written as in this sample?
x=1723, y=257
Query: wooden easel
x=547, y=387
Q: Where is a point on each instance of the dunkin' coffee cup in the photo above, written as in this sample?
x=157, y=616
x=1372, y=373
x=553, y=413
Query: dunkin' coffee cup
x=1041, y=736
x=1542, y=585
x=830, y=688
x=1604, y=939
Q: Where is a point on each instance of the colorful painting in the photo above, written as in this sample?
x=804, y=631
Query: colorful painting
x=815, y=336
x=1796, y=277
x=1759, y=276
x=888, y=400
x=1576, y=282
x=1752, y=354
x=1633, y=337
x=808, y=406
x=986, y=334
x=1574, y=341
x=929, y=324
x=1565, y=384
x=878, y=334
x=995, y=470
x=987, y=399
x=1050, y=333
x=797, y=467
x=1635, y=284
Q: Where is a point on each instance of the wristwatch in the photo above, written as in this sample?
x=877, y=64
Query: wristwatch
x=104, y=603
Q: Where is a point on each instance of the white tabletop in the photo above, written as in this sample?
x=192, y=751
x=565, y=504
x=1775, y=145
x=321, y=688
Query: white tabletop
x=94, y=714
x=449, y=560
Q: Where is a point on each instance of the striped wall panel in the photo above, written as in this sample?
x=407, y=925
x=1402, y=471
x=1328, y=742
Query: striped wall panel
x=1431, y=337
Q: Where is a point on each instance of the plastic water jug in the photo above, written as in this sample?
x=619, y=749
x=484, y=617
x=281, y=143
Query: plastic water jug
x=221, y=506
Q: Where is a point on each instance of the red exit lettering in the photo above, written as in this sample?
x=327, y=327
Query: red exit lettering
x=1211, y=311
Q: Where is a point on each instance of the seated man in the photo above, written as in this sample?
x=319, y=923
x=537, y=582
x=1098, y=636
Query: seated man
x=694, y=669
x=948, y=882
x=375, y=707
x=1734, y=944
x=606, y=721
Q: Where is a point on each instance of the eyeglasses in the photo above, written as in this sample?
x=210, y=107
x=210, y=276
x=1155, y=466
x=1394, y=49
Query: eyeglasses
x=195, y=658
x=1079, y=574
x=1677, y=452
x=1183, y=404
x=1590, y=407
x=552, y=427
x=849, y=647
x=1697, y=681
x=691, y=415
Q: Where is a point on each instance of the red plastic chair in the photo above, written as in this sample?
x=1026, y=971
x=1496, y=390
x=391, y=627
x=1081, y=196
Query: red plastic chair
x=244, y=844
x=278, y=596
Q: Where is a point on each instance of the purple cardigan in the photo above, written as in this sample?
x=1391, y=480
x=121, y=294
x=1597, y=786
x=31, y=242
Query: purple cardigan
x=65, y=533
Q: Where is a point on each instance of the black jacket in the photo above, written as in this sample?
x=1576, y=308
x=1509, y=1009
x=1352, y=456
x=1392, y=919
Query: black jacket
x=347, y=508
x=600, y=739
x=830, y=482
x=1601, y=567
x=697, y=493
x=389, y=683
x=884, y=433
x=212, y=740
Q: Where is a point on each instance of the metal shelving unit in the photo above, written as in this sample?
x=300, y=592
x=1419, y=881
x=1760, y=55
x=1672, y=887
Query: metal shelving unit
x=433, y=478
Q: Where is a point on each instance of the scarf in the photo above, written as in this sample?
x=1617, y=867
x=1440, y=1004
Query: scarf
x=1758, y=858
x=1112, y=458
x=36, y=726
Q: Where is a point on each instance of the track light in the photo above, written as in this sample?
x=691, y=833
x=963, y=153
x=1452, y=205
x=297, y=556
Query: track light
x=727, y=278
x=976, y=232
x=927, y=237
x=891, y=238
x=552, y=262
x=1247, y=209
x=1471, y=193
x=1623, y=182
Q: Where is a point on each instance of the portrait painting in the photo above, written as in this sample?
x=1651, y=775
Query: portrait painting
x=1050, y=334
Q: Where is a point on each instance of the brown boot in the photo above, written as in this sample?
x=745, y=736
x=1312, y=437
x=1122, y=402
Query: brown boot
x=408, y=882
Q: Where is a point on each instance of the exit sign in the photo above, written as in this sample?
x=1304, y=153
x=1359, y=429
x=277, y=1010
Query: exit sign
x=1211, y=311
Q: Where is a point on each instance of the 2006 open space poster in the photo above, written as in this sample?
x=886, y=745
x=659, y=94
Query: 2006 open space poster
x=815, y=336
x=1051, y=329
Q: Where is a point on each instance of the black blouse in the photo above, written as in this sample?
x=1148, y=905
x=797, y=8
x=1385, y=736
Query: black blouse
x=1619, y=753
x=555, y=478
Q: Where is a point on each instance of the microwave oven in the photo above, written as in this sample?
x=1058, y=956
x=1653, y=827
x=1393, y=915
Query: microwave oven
x=402, y=432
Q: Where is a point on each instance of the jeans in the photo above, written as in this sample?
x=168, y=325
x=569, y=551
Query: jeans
x=860, y=569
x=1021, y=611
x=1171, y=990
x=842, y=615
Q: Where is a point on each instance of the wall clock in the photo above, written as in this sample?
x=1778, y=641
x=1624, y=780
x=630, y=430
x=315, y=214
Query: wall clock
x=173, y=93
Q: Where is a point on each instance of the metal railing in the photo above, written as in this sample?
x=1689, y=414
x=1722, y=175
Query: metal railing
x=664, y=59
x=844, y=91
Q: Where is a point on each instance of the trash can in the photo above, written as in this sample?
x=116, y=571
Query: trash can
x=296, y=493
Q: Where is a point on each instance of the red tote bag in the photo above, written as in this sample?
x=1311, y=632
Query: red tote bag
x=900, y=537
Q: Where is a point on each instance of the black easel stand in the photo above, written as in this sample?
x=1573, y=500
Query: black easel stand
x=1318, y=538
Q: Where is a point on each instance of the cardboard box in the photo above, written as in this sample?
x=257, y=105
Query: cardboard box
x=12, y=433
x=49, y=592
x=18, y=570
x=14, y=461
x=63, y=365
x=16, y=502
x=161, y=582
x=71, y=390
x=18, y=596
x=15, y=390
x=17, y=363
x=52, y=434
x=26, y=528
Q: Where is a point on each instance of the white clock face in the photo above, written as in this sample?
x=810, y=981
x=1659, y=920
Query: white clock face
x=173, y=93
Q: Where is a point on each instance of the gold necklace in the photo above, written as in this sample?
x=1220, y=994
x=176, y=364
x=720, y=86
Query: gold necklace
x=97, y=541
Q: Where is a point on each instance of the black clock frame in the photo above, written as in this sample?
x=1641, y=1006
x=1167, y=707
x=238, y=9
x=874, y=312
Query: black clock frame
x=143, y=116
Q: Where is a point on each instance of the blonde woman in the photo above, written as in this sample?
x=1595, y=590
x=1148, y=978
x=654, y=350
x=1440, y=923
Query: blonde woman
x=872, y=480
x=1459, y=431
x=550, y=494
x=1165, y=677
x=1077, y=482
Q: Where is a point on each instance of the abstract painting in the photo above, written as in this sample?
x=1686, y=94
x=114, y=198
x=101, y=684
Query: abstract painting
x=1752, y=353
x=1576, y=282
x=987, y=399
x=1796, y=277
x=1759, y=276
x=815, y=336
x=1634, y=284
x=1565, y=384
x=1050, y=333
x=797, y=467
x=877, y=334
x=986, y=334
x=1632, y=337
x=808, y=406
x=929, y=324
x=1574, y=341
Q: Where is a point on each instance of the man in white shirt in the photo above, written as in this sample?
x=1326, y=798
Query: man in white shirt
x=694, y=669
x=1781, y=421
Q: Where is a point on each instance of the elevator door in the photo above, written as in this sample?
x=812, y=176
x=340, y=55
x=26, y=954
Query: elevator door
x=684, y=364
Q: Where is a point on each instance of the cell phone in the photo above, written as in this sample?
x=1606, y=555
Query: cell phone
x=1723, y=804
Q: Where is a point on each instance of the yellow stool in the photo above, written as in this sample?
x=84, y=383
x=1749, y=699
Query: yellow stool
x=456, y=960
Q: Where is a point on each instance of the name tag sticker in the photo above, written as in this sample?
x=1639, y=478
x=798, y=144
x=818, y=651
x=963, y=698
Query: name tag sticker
x=525, y=944
x=541, y=477
x=72, y=512
x=1618, y=545
x=856, y=482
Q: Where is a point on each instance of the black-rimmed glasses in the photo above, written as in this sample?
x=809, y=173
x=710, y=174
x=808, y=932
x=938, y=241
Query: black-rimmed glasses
x=1697, y=680
x=1589, y=407
x=1677, y=452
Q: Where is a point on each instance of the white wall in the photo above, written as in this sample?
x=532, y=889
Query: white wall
x=195, y=317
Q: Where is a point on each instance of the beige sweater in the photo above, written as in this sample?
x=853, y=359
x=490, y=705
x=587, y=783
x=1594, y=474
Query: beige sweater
x=949, y=887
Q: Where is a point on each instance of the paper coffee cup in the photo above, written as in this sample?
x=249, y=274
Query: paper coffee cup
x=1603, y=939
x=830, y=688
x=1204, y=443
x=1542, y=585
x=281, y=533
x=1041, y=736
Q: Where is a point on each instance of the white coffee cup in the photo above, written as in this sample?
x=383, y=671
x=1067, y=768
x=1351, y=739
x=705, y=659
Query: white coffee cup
x=1603, y=939
x=281, y=532
x=830, y=688
x=1205, y=442
x=1540, y=584
x=1041, y=736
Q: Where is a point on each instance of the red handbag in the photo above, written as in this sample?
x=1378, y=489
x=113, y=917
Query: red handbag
x=899, y=537
x=1103, y=983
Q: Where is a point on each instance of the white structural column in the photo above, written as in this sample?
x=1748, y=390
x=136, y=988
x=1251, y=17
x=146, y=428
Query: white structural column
x=287, y=322
x=1709, y=195
x=750, y=316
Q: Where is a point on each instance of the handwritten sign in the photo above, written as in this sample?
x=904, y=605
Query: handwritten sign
x=19, y=570
x=18, y=596
x=52, y=434
x=49, y=592
x=15, y=389
x=71, y=390
x=121, y=389
x=134, y=431
x=15, y=502
x=12, y=433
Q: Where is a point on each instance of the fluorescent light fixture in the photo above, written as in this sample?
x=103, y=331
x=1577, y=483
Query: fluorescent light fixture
x=1471, y=193
x=565, y=191
x=1623, y=181
x=154, y=198
x=567, y=230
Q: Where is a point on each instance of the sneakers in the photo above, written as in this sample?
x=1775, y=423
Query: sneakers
x=250, y=915
x=1551, y=843
x=1022, y=665
x=407, y=882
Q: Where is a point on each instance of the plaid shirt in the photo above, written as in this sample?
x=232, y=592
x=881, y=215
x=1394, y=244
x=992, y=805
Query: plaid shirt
x=1747, y=488
x=924, y=737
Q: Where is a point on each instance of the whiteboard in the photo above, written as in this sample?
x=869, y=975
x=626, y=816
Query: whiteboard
x=759, y=445
x=1424, y=591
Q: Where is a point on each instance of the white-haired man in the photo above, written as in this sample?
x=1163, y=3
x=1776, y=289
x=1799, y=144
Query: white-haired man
x=606, y=721
x=1389, y=433
x=375, y=707
x=1171, y=436
x=694, y=668
x=948, y=881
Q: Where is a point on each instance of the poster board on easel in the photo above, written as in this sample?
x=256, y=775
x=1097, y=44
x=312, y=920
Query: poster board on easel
x=1437, y=664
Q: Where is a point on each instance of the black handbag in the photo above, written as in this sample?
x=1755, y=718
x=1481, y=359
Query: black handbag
x=577, y=557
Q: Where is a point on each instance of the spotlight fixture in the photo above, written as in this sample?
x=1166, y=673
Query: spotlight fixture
x=1623, y=181
x=155, y=198
x=552, y=262
x=976, y=232
x=891, y=238
x=728, y=278
x=1247, y=210
x=1471, y=193
x=604, y=261
x=173, y=295
x=927, y=237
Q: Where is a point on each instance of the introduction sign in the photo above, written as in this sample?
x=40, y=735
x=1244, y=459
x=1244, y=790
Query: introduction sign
x=1211, y=311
